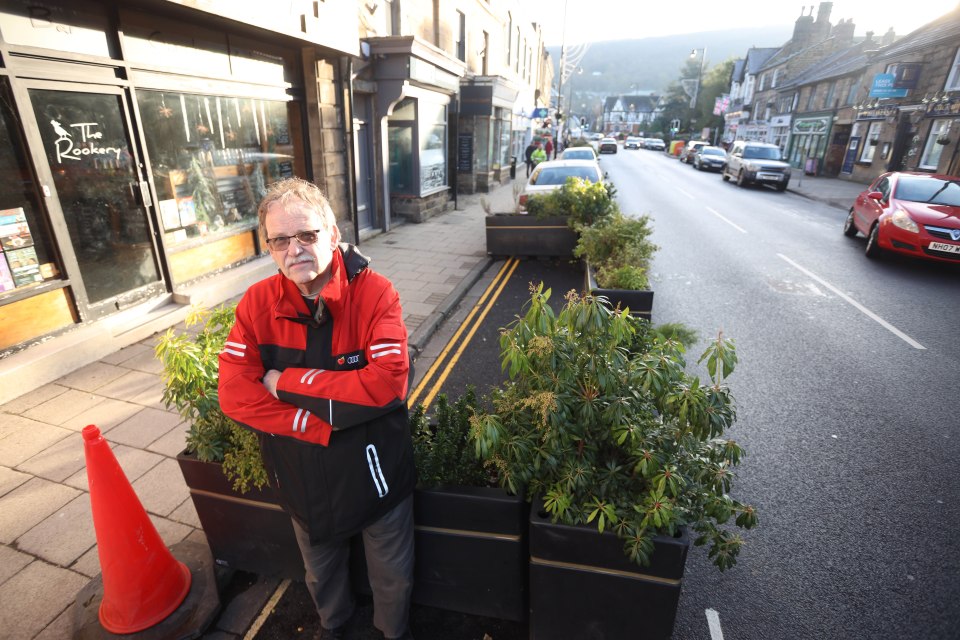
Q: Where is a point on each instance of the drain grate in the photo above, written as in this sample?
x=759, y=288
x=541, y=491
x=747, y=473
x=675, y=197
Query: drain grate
x=435, y=298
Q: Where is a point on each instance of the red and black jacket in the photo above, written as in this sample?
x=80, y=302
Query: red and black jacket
x=337, y=442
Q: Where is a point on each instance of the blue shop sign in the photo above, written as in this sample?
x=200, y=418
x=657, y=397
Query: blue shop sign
x=885, y=86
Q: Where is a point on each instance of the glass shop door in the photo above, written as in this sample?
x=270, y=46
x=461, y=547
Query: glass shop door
x=99, y=186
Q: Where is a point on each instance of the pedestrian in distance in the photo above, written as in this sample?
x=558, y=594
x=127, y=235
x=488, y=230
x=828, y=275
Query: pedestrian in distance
x=548, y=148
x=527, y=153
x=317, y=366
x=538, y=155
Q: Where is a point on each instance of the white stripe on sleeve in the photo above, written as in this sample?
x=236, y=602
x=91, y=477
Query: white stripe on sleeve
x=385, y=353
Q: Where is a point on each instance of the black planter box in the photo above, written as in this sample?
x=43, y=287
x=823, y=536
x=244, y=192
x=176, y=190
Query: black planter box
x=640, y=302
x=471, y=552
x=582, y=585
x=245, y=531
x=512, y=234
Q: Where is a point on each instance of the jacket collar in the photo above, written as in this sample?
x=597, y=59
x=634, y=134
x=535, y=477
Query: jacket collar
x=347, y=263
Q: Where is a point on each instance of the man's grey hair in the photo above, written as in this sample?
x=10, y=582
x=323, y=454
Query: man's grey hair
x=289, y=189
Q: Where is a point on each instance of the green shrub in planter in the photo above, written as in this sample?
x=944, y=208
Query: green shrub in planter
x=619, y=249
x=190, y=375
x=581, y=201
x=601, y=419
x=443, y=453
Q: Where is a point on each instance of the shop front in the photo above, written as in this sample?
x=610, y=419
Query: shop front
x=415, y=87
x=808, y=141
x=486, y=111
x=136, y=147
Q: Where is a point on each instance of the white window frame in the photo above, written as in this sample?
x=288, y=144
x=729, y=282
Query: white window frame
x=953, y=78
x=869, y=150
x=930, y=158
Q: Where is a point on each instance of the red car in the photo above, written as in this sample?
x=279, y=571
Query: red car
x=917, y=214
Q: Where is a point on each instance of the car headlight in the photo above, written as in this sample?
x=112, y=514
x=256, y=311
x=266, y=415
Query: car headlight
x=902, y=219
x=750, y=166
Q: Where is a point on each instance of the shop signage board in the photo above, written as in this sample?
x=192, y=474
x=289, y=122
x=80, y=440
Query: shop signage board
x=465, y=152
x=884, y=86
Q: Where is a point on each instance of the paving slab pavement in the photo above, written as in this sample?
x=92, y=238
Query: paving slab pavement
x=47, y=548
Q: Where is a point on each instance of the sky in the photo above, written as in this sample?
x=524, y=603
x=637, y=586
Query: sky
x=596, y=20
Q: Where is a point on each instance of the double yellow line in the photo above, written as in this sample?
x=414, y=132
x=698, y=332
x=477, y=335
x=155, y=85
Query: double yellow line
x=430, y=386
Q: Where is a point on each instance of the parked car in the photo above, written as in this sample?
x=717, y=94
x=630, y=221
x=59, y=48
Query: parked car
x=657, y=144
x=916, y=214
x=709, y=159
x=756, y=162
x=686, y=156
x=579, y=153
x=608, y=145
x=553, y=174
x=632, y=142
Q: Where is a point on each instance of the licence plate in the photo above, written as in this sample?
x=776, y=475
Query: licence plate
x=946, y=248
x=771, y=176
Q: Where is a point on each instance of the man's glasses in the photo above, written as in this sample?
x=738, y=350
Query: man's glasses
x=304, y=238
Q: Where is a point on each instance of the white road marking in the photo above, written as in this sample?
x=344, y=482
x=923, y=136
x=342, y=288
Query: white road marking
x=685, y=193
x=738, y=228
x=870, y=314
x=713, y=621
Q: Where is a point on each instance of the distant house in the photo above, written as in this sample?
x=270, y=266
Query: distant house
x=628, y=114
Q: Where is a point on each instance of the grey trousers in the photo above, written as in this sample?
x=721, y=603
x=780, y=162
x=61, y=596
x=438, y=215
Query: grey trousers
x=388, y=544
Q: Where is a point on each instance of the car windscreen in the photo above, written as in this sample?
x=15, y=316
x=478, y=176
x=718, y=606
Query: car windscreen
x=578, y=154
x=761, y=153
x=559, y=175
x=931, y=190
x=712, y=152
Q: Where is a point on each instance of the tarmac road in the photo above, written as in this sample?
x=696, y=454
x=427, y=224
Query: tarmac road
x=849, y=426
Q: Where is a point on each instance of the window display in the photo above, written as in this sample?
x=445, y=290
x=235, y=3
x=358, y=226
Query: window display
x=25, y=255
x=212, y=158
x=433, y=146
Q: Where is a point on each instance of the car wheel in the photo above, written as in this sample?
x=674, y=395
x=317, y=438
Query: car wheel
x=723, y=174
x=873, y=242
x=849, y=228
x=741, y=181
x=782, y=186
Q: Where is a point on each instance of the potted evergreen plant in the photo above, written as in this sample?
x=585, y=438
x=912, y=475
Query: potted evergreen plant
x=471, y=553
x=623, y=453
x=549, y=227
x=616, y=253
x=240, y=514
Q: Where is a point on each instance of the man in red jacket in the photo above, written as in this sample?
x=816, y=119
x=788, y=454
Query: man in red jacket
x=317, y=365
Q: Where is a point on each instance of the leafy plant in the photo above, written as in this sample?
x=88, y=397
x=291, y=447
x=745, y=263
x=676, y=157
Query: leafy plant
x=600, y=418
x=190, y=375
x=442, y=451
x=581, y=201
x=619, y=249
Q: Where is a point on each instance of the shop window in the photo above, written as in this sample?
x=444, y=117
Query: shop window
x=870, y=145
x=26, y=254
x=936, y=141
x=953, y=80
x=433, y=147
x=212, y=158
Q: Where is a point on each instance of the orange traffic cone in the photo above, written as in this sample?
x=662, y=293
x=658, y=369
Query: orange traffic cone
x=142, y=582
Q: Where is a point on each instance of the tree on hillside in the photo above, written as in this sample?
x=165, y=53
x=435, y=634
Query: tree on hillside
x=677, y=100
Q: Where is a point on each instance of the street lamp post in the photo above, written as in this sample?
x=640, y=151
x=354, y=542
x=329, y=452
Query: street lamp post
x=563, y=55
x=696, y=91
